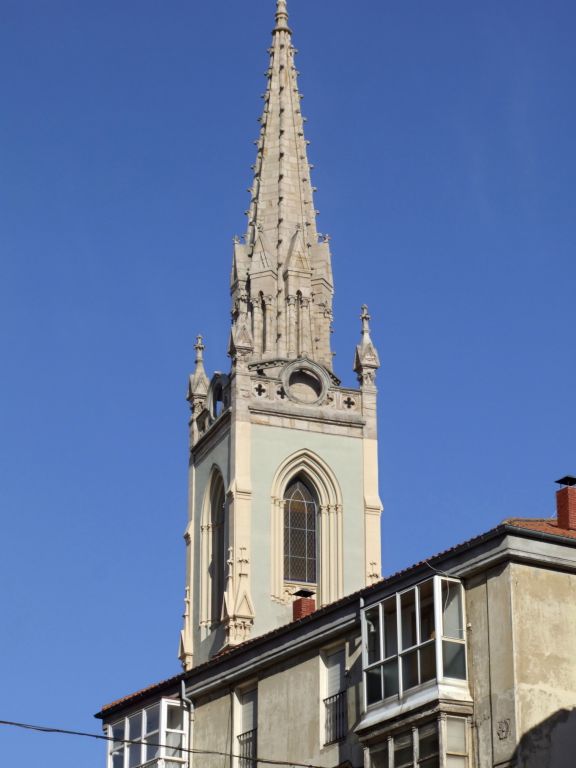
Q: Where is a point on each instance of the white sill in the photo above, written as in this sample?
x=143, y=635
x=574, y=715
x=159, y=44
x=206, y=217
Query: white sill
x=452, y=690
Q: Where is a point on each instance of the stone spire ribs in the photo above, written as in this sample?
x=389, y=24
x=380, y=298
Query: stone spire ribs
x=282, y=268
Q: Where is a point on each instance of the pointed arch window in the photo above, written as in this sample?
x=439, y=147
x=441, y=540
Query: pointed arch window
x=218, y=547
x=300, y=533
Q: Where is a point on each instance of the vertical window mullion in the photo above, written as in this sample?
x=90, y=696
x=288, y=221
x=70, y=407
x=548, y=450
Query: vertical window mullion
x=399, y=645
x=418, y=638
x=381, y=625
x=162, y=723
x=438, y=626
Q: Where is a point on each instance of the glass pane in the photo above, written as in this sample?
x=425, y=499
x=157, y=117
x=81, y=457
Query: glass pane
x=373, y=685
x=408, y=618
x=428, y=663
x=429, y=762
x=410, y=670
x=153, y=718
x=456, y=762
x=373, y=634
x=379, y=756
x=426, y=611
x=456, y=735
x=151, y=750
x=403, y=751
x=452, y=610
x=118, y=759
x=117, y=733
x=390, y=628
x=135, y=726
x=173, y=743
x=390, y=672
x=454, y=660
x=428, y=741
x=134, y=755
x=174, y=718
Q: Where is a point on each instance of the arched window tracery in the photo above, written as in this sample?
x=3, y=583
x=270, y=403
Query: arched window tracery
x=304, y=481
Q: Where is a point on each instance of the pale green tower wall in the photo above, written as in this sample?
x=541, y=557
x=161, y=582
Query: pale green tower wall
x=271, y=446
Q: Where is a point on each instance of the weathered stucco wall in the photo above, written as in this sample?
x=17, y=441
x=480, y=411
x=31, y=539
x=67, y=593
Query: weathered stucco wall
x=290, y=712
x=212, y=730
x=490, y=665
x=545, y=661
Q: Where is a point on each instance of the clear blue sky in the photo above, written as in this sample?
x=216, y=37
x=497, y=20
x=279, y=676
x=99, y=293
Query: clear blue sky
x=443, y=139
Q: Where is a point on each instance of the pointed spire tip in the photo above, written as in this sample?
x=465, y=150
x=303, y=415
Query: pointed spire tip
x=281, y=15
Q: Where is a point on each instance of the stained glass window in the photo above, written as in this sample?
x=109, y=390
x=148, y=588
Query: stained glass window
x=300, y=510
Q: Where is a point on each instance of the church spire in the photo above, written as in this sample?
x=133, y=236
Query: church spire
x=282, y=266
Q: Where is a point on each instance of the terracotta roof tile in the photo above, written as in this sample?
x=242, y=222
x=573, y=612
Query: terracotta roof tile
x=543, y=525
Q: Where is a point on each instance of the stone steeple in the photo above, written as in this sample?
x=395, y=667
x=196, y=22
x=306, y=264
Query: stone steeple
x=279, y=422
x=282, y=273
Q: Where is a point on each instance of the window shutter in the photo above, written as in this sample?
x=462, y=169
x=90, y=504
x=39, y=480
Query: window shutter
x=249, y=715
x=335, y=666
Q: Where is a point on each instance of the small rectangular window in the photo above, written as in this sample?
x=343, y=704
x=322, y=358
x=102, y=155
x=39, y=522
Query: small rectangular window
x=117, y=732
x=335, y=701
x=152, y=733
x=456, y=742
x=403, y=751
x=372, y=619
x=175, y=733
x=408, y=618
x=390, y=628
x=247, y=738
x=135, y=734
x=379, y=756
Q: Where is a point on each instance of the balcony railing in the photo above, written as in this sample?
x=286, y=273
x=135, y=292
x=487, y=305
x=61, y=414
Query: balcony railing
x=247, y=745
x=336, y=718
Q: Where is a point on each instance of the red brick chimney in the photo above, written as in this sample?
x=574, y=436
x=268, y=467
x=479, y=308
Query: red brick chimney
x=566, y=503
x=304, y=605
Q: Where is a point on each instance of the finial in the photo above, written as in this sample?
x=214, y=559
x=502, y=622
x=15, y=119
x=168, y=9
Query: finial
x=366, y=360
x=199, y=347
x=281, y=15
x=365, y=317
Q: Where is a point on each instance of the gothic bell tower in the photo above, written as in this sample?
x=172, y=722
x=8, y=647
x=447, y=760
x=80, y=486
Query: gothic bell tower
x=283, y=481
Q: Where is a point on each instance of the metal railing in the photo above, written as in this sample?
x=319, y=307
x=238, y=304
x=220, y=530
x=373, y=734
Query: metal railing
x=247, y=744
x=336, y=718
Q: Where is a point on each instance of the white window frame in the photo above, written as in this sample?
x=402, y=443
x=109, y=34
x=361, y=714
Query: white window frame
x=439, y=639
x=162, y=758
x=443, y=754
